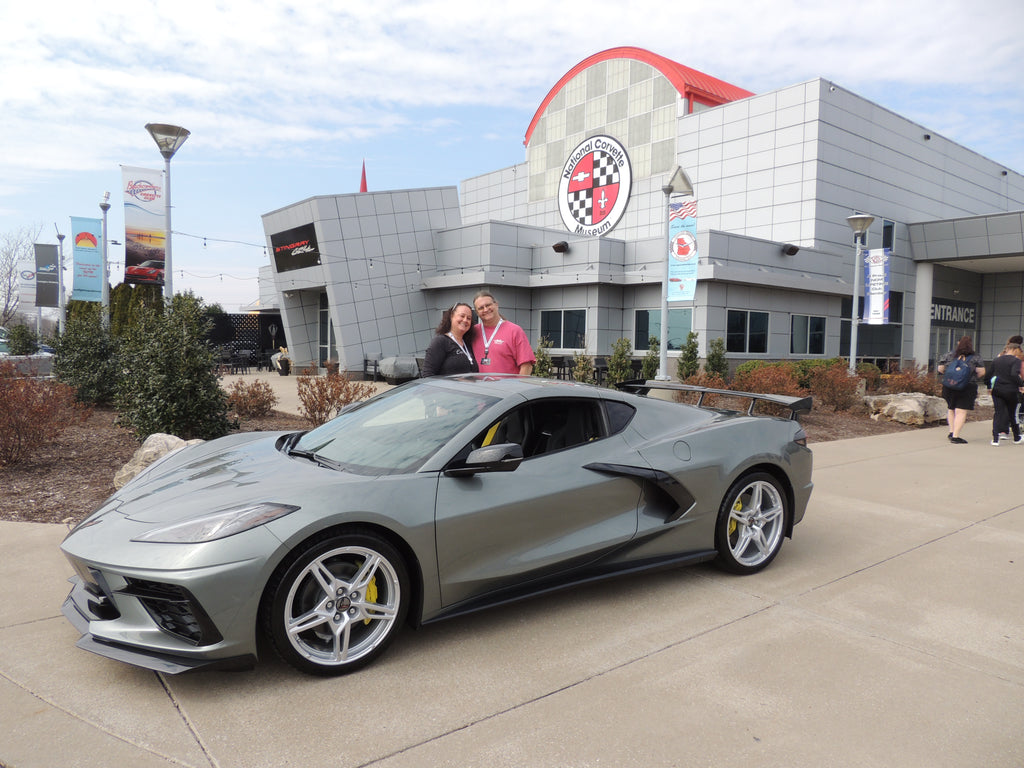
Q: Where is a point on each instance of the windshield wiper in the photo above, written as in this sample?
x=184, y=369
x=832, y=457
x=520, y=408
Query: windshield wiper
x=323, y=461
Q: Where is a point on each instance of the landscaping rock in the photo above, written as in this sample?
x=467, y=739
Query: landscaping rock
x=911, y=408
x=154, y=447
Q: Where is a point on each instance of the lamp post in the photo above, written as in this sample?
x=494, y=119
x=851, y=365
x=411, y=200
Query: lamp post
x=678, y=184
x=61, y=303
x=859, y=223
x=104, y=282
x=168, y=139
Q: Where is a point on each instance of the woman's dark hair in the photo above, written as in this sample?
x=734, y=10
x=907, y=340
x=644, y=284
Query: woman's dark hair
x=1015, y=340
x=446, y=319
x=964, y=346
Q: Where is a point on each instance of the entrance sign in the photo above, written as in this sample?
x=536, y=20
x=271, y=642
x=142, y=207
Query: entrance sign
x=594, y=188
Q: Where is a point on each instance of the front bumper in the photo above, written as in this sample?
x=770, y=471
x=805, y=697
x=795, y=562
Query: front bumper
x=86, y=604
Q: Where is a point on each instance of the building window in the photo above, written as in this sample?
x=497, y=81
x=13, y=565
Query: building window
x=746, y=332
x=648, y=323
x=873, y=341
x=888, y=234
x=564, y=328
x=807, y=335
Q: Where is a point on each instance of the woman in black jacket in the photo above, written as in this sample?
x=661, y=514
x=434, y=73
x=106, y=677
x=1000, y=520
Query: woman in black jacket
x=449, y=351
x=1007, y=385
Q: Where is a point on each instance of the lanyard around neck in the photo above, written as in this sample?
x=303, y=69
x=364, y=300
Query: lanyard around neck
x=462, y=344
x=483, y=332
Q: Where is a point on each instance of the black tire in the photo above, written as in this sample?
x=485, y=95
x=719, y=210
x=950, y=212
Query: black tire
x=752, y=523
x=336, y=603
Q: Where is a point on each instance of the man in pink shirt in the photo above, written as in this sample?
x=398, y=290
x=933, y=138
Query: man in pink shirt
x=499, y=346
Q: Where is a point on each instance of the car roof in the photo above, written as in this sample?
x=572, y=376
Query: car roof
x=529, y=387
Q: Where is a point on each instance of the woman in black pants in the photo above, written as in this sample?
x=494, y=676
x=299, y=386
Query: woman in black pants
x=1007, y=385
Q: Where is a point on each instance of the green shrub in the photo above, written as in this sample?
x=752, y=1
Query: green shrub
x=689, y=358
x=716, y=362
x=86, y=356
x=651, y=361
x=167, y=381
x=251, y=400
x=583, y=368
x=33, y=412
x=321, y=398
x=620, y=362
x=543, y=367
x=22, y=340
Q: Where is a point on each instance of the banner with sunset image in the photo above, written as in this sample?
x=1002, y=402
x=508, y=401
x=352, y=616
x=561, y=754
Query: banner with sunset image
x=86, y=242
x=145, y=228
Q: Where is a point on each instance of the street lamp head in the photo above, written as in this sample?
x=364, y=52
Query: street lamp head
x=679, y=184
x=168, y=138
x=859, y=222
x=105, y=205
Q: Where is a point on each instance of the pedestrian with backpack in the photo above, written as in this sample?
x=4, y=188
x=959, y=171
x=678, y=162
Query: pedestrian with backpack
x=960, y=369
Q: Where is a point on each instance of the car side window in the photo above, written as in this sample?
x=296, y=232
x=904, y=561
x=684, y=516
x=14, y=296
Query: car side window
x=560, y=424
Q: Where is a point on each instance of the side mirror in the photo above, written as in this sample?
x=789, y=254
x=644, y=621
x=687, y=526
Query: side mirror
x=504, y=457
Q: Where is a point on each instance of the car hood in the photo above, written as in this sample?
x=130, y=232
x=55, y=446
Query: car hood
x=224, y=473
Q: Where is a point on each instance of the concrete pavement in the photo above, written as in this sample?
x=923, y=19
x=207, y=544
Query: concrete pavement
x=889, y=632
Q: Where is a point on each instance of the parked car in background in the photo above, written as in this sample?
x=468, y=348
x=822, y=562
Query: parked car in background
x=431, y=500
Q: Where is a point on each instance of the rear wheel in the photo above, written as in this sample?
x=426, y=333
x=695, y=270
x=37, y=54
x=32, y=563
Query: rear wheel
x=751, y=524
x=337, y=604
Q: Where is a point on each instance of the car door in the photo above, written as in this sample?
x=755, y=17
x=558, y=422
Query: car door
x=500, y=529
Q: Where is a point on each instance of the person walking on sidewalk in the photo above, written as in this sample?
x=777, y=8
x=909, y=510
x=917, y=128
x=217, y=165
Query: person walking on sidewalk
x=1007, y=385
x=960, y=401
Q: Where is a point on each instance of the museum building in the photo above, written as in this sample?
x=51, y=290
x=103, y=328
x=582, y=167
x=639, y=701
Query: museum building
x=574, y=241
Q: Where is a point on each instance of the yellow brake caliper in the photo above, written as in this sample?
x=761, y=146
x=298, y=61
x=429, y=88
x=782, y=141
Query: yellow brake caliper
x=371, y=594
x=737, y=507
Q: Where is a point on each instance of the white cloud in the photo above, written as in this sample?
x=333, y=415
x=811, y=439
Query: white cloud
x=316, y=86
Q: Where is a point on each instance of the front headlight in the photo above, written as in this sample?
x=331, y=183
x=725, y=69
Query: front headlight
x=217, y=525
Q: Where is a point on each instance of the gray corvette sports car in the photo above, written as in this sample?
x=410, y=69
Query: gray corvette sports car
x=433, y=499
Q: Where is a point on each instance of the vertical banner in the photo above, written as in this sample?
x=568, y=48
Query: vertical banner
x=27, y=287
x=145, y=229
x=47, y=276
x=682, y=261
x=86, y=235
x=876, y=286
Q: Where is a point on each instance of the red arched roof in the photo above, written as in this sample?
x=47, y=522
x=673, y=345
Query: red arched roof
x=689, y=82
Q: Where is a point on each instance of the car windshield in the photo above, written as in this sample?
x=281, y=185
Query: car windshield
x=395, y=432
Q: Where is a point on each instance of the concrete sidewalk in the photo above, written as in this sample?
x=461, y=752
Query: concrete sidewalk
x=889, y=632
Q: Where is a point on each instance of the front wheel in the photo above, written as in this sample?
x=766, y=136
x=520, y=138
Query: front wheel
x=336, y=604
x=751, y=524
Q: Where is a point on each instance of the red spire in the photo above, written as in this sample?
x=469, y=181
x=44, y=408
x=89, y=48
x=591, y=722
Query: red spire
x=362, y=183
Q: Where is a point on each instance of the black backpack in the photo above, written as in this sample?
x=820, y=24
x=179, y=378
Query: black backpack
x=958, y=374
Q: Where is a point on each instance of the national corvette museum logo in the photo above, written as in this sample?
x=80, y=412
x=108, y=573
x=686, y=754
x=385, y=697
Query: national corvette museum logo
x=594, y=188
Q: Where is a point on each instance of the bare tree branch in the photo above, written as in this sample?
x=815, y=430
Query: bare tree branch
x=15, y=246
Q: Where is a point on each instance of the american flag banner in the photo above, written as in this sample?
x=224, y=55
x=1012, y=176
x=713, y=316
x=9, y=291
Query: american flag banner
x=686, y=210
x=682, y=255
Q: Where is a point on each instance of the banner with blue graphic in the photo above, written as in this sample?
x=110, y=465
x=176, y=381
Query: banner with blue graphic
x=86, y=239
x=682, y=255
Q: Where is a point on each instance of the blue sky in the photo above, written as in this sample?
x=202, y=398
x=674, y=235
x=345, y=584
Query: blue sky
x=286, y=100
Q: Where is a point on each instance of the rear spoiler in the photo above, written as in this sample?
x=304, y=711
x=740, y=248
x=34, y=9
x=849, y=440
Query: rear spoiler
x=796, y=405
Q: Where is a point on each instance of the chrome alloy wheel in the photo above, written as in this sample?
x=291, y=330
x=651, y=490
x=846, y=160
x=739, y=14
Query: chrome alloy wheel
x=751, y=524
x=342, y=605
